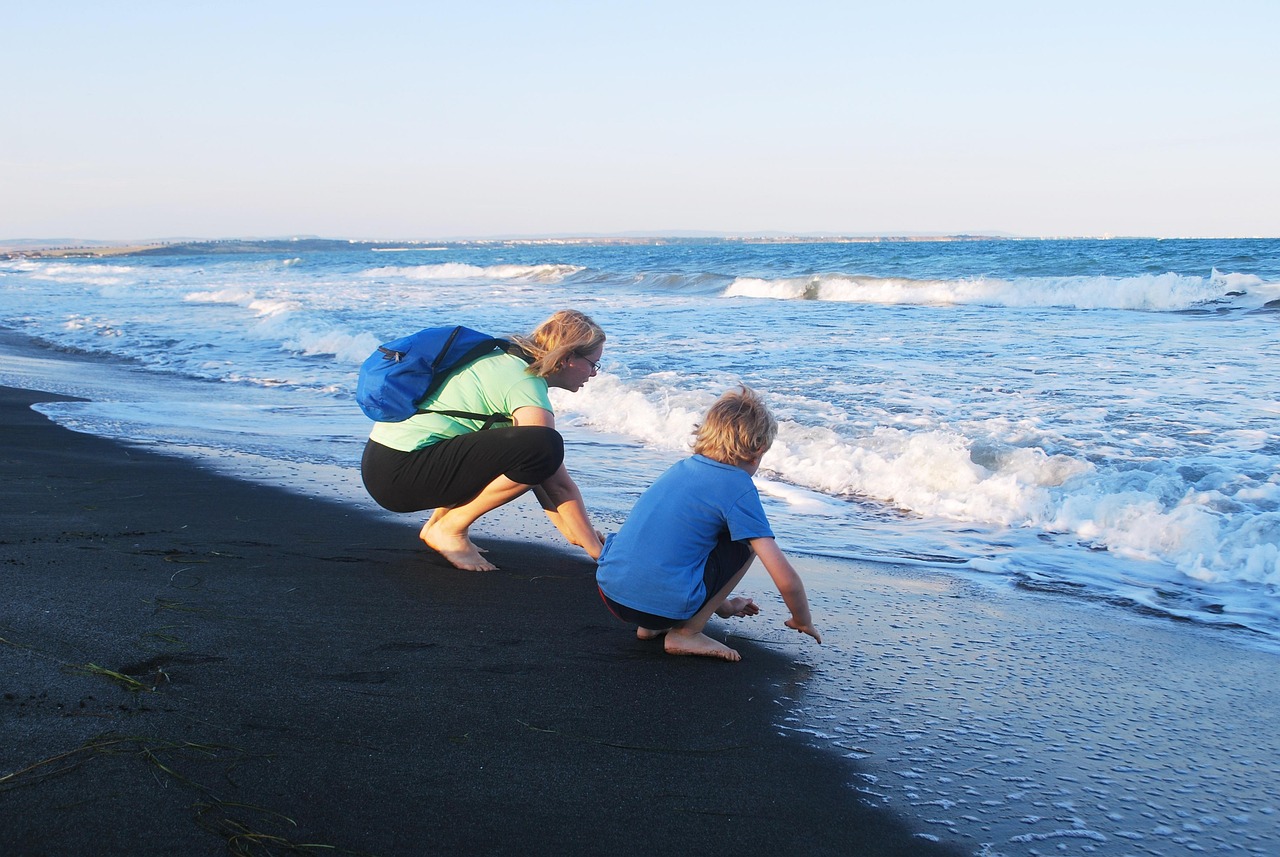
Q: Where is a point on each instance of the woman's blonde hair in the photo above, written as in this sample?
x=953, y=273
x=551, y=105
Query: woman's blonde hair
x=561, y=336
x=738, y=428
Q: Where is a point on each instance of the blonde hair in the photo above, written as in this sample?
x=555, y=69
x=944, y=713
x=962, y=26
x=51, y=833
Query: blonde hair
x=564, y=334
x=737, y=429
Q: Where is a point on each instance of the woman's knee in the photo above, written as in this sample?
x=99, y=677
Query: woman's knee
x=543, y=453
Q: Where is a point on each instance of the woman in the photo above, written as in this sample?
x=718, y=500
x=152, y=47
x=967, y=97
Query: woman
x=446, y=463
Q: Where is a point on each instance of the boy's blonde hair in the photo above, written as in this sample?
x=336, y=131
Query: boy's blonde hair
x=737, y=429
x=564, y=334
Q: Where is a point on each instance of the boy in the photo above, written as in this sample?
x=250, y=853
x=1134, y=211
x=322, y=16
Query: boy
x=692, y=536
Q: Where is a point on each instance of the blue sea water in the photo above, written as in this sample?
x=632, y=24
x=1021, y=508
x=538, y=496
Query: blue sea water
x=1097, y=417
x=1096, y=420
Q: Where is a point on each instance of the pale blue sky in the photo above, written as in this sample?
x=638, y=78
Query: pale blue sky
x=424, y=120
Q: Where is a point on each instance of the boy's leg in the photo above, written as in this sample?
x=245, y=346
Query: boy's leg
x=686, y=638
x=648, y=626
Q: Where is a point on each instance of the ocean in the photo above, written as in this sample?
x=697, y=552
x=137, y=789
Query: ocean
x=1096, y=420
x=1094, y=417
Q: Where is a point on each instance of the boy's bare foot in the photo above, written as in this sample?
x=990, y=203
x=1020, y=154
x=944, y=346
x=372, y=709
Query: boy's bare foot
x=457, y=548
x=698, y=644
x=737, y=607
x=649, y=633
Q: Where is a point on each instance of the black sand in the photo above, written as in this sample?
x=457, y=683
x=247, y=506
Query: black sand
x=288, y=676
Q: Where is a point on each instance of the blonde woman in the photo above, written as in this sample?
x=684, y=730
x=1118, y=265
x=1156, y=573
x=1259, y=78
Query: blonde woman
x=450, y=464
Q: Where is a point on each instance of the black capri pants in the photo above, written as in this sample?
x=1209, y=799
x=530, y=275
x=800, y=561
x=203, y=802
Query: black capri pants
x=455, y=471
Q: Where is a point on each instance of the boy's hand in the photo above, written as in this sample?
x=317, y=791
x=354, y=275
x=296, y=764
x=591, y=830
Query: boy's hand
x=804, y=629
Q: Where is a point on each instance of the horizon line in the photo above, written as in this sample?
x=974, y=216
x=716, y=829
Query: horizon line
x=51, y=243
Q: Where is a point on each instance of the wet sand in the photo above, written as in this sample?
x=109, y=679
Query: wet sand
x=197, y=665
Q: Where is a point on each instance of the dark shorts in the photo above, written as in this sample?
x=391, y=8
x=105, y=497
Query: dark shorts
x=454, y=471
x=726, y=559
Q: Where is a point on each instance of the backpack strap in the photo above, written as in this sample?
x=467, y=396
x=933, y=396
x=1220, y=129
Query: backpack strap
x=489, y=420
x=515, y=350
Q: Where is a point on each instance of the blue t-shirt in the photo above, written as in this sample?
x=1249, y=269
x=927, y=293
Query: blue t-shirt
x=655, y=562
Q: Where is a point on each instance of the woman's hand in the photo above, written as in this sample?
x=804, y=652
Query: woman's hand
x=562, y=501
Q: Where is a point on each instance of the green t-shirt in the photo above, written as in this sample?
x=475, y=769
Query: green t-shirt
x=495, y=384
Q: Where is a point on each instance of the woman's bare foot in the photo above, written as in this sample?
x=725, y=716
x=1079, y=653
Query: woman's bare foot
x=436, y=515
x=737, y=607
x=649, y=633
x=459, y=551
x=678, y=643
x=457, y=548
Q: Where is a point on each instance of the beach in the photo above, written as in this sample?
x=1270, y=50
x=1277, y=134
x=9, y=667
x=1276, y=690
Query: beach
x=1015, y=333
x=213, y=641
x=196, y=665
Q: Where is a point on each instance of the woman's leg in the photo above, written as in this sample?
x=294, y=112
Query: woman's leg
x=453, y=471
x=461, y=479
x=446, y=531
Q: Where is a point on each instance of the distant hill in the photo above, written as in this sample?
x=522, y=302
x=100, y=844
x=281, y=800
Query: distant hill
x=53, y=247
x=267, y=245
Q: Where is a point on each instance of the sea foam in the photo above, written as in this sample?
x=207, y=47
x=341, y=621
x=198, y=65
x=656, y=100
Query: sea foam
x=1154, y=292
x=1208, y=529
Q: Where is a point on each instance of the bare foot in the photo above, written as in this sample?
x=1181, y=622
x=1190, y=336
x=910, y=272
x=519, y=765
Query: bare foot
x=737, y=607
x=459, y=551
x=457, y=548
x=436, y=515
x=649, y=633
x=698, y=644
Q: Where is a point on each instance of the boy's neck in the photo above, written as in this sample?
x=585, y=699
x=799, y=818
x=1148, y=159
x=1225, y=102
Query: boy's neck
x=750, y=466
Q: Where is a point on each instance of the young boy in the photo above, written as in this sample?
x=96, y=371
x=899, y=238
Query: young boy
x=692, y=536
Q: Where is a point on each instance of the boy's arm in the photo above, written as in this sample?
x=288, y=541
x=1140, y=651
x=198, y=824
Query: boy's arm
x=789, y=584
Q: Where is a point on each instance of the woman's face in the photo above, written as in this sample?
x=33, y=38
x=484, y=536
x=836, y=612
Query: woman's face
x=576, y=370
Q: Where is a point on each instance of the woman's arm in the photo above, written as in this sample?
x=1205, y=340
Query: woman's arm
x=559, y=495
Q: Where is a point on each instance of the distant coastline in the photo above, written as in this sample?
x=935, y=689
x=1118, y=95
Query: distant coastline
x=87, y=249
x=66, y=248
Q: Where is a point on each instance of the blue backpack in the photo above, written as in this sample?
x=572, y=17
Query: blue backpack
x=405, y=371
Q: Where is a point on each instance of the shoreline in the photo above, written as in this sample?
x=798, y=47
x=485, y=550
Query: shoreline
x=210, y=659
x=995, y=720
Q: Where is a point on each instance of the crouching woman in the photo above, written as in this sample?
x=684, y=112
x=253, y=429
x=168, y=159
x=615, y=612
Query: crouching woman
x=460, y=470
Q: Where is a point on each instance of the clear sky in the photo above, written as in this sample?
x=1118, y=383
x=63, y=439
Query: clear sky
x=370, y=119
